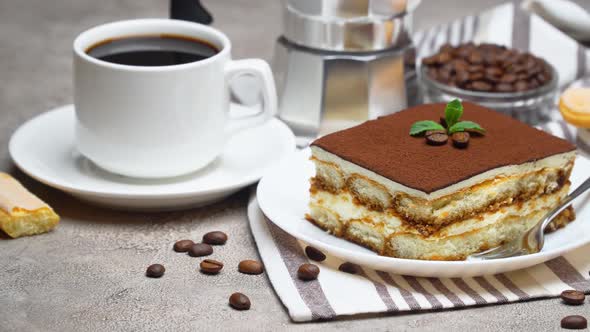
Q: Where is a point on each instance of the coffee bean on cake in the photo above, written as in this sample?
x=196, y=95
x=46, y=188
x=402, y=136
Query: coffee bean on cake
x=439, y=138
x=460, y=139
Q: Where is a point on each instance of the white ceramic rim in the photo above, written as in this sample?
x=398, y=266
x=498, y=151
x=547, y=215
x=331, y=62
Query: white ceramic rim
x=122, y=29
x=71, y=189
x=538, y=257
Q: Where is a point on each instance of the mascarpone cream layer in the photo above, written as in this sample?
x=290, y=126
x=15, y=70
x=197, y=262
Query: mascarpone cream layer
x=342, y=205
x=555, y=161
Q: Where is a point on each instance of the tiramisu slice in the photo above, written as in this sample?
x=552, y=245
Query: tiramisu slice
x=441, y=197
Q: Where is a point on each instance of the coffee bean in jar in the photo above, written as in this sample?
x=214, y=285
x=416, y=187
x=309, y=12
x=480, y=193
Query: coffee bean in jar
x=487, y=68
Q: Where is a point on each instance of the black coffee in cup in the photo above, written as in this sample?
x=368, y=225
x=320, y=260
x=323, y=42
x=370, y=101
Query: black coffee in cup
x=152, y=50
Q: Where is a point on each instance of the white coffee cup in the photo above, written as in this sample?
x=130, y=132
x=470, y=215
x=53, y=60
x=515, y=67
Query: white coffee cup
x=164, y=121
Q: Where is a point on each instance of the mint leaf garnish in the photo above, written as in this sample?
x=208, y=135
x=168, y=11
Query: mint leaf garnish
x=453, y=112
x=466, y=125
x=420, y=127
x=450, y=125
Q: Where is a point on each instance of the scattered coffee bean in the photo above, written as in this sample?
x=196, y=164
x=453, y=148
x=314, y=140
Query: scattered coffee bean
x=215, y=238
x=211, y=266
x=239, y=301
x=350, y=268
x=315, y=254
x=250, y=267
x=308, y=272
x=487, y=68
x=183, y=245
x=460, y=139
x=437, y=139
x=200, y=249
x=155, y=271
x=573, y=297
x=574, y=322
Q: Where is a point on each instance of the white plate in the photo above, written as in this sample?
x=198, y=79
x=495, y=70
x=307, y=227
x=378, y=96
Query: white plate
x=283, y=197
x=44, y=149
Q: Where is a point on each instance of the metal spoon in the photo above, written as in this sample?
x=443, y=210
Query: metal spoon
x=531, y=241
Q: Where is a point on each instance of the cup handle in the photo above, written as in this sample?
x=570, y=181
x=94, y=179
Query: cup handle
x=260, y=69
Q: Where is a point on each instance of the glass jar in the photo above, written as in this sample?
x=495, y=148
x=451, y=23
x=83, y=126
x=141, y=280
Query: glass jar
x=532, y=106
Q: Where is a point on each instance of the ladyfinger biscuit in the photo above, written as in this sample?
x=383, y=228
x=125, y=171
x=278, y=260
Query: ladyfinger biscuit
x=21, y=212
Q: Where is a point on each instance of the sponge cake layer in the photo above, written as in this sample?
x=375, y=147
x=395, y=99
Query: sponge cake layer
x=486, y=191
x=388, y=234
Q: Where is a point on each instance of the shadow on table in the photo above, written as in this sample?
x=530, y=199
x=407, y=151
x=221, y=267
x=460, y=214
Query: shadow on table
x=76, y=211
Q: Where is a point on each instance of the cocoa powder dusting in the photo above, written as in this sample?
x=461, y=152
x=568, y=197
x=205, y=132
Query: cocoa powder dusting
x=385, y=147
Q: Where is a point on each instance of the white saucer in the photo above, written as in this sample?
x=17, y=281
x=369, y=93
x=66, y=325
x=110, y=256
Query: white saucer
x=44, y=149
x=283, y=195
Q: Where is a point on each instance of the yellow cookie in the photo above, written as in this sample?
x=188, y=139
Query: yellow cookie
x=574, y=105
x=21, y=212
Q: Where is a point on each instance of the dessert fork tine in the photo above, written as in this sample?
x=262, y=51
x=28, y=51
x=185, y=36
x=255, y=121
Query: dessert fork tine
x=531, y=241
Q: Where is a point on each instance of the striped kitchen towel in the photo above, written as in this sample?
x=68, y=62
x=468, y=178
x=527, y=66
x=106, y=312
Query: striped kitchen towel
x=337, y=293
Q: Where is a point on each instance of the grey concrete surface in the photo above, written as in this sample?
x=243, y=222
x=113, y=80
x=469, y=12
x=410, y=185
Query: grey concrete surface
x=88, y=274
